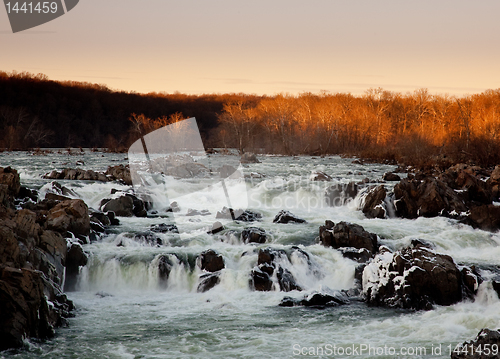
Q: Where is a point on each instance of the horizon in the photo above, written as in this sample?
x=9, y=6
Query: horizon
x=259, y=48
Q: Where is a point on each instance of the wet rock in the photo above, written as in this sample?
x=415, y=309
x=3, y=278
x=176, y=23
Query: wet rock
x=428, y=198
x=126, y=205
x=239, y=215
x=165, y=265
x=121, y=173
x=210, y=261
x=164, y=228
x=75, y=258
x=347, y=235
x=362, y=255
x=340, y=194
x=58, y=192
x=249, y=158
x=270, y=263
x=25, y=312
x=494, y=183
x=287, y=217
x=71, y=215
x=374, y=202
x=216, y=228
x=389, y=176
x=208, y=281
x=319, y=176
x=100, y=217
x=318, y=300
x=413, y=278
x=476, y=349
x=253, y=235
x=485, y=217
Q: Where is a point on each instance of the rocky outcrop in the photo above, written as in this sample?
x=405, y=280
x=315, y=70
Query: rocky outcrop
x=414, y=278
x=285, y=217
x=70, y=216
x=340, y=194
x=374, y=202
x=33, y=259
x=486, y=345
x=113, y=173
x=344, y=234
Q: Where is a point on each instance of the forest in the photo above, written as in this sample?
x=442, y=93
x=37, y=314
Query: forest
x=414, y=128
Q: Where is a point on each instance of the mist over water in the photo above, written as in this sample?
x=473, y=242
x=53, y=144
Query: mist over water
x=125, y=310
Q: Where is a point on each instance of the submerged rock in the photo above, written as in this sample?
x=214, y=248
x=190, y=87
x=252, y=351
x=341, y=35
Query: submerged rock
x=239, y=215
x=287, y=217
x=317, y=300
x=249, y=157
x=319, y=176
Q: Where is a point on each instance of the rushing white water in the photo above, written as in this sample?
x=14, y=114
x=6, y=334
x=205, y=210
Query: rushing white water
x=126, y=310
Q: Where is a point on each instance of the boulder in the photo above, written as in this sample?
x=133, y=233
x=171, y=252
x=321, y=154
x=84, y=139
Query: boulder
x=208, y=281
x=287, y=217
x=486, y=343
x=374, y=202
x=428, y=198
x=345, y=234
x=125, y=205
x=120, y=173
x=319, y=176
x=249, y=158
x=341, y=193
x=253, y=235
x=318, y=300
x=71, y=215
x=413, y=278
x=75, y=258
x=270, y=264
x=389, y=176
x=210, y=261
x=239, y=215
x=485, y=217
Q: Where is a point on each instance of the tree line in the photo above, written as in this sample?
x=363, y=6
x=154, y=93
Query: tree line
x=415, y=128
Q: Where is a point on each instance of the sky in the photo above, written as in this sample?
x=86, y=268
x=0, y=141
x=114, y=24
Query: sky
x=265, y=47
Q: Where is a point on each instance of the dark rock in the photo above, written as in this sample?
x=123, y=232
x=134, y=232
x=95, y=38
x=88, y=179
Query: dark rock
x=361, y=255
x=320, y=176
x=100, y=217
x=249, y=158
x=261, y=281
x=210, y=261
x=253, y=235
x=71, y=215
x=122, y=206
x=374, y=202
x=389, y=176
x=340, y=194
x=216, y=228
x=485, y=217
x=75, y=258
x=317, y=300
x=165, y=265
x=494, y=183
x=25, y=192
x=413, y=278
x=112, y=218
x=164, y=228
x=348, y=235
x=476, y=349
x=208, y=281
x=496, y=287
x=239, y=215
x=287, y=217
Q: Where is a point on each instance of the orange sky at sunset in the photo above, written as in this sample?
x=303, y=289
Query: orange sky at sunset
x=265, y=47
